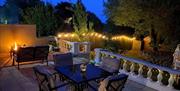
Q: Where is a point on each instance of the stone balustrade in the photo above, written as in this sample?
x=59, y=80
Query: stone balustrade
x=135, y=69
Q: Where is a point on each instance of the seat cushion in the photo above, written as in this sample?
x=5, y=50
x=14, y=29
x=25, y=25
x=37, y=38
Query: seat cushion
x=110, y=64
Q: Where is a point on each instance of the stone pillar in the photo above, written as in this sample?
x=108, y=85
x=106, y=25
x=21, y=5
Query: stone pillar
x=176, y=61
x=74, y=47
x=176, y=64
x=98, y=55
x=87, y=47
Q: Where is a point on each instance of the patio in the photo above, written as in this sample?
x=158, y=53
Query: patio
x=10, y=76
x=125, y=45
x=10, y=80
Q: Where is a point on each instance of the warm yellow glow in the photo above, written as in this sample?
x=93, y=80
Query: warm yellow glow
x=15, y=46
x=92, y=34
x=83, y=34
x=99, y=35
x=59, y=35
x=103, y=37
x=72, y=35
x=122, y=37
x=133, y=38
x=66, y=35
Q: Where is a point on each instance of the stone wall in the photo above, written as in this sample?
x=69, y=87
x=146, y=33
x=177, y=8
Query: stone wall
x=21, y=34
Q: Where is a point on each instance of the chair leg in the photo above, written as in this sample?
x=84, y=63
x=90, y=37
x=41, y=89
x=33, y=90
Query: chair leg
x=18, y=65
x=40, y=89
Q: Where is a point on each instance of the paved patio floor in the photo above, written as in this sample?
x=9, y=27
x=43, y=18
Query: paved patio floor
x=12, y=79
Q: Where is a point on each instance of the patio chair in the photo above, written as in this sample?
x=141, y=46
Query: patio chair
x=30, y=54
x=25, y=55
x=41, y=53
x=112, y=83
x=47, y=80
x=110, y=64
x=63, y=59
x=117, y=82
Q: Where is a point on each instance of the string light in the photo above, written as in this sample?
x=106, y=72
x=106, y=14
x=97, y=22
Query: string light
x=72, y=35
x=103, y=37
x=59, y=35
x=96, y=34
x=92, y=34
x=99, y=35
x=66, y=35
x=83, y=34
x=122, y=37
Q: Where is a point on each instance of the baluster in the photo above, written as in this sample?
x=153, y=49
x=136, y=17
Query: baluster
x=125, y=65
x=149, y=73
x=171, y=81
x=112, y=56
x=106, y=55
x=140, y=71
x=132, y=68
x=160, y=77
x=102, y=55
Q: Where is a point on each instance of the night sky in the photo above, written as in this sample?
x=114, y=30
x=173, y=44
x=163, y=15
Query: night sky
x=95, y=6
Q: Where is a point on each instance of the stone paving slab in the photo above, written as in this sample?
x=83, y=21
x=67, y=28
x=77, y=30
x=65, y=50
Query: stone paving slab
x=134, y=86
x=12, y=80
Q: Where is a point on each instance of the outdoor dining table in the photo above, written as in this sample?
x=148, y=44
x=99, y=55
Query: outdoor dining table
x=79, y=78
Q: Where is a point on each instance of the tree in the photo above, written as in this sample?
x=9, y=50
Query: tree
x=148, y=17
x=64, y=13
x=98, y=26
x=44, y=18
x=80, y=22
x=64, y=10
x=10, y=12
